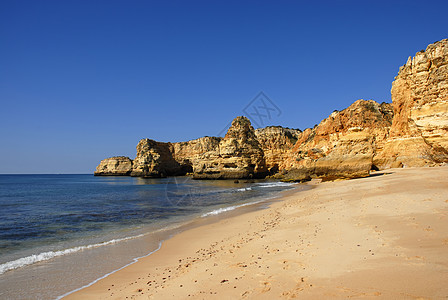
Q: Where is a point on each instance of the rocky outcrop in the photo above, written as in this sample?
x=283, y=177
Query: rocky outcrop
x=276, y=143
x=158, y=159
x=419, y=133
x=188, y=153
x=155, y=159
x=413, y=131
x=346, y=143
x=114, y=166
x=342, y=145
x=238, y=155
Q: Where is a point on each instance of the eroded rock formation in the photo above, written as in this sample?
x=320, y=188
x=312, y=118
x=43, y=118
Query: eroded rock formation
x=342, y=145
x=155, y=159
x=419, y=133
x=413, y=131
x=276, y=143
x=189, y=153
x=114, y=166
x=238, y=155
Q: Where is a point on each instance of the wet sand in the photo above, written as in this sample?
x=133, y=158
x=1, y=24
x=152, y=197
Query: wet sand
x=385, y=236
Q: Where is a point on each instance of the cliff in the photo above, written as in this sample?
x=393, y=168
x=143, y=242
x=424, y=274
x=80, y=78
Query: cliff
x=342, y=145
x=156, y=159
x=412, y=131
x=189, y=153
x=114, y=166
x=238, y=155
x=276, y=143
x=419, y=132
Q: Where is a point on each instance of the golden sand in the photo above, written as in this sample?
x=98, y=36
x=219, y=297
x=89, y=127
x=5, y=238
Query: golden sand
x=384, y=236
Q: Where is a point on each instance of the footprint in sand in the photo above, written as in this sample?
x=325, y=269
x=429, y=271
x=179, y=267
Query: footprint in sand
x=245, y=294
x=294, y=293
x=266, y=286
x=286, y=266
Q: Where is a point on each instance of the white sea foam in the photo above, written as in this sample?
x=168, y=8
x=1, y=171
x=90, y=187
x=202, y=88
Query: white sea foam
x=35, y=258
x=244, y=189
x=104, y=276
x=275, y=184
x=229, y=208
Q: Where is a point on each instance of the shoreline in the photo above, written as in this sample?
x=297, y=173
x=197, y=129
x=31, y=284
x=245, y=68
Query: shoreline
x=135, y=260
x=380, y=236
x=205, y=219
x=57, y=270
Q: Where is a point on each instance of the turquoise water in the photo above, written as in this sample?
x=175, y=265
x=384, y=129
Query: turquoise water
x=80, y=226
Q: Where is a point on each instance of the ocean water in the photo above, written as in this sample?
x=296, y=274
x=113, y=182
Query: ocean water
x=59, y=233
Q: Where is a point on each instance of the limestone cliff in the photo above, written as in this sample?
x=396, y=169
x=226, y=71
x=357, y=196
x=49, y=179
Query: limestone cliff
x=158, y=159
x=413, y=131
x=419, y=132
x=155, y=159
x=114, y=166
x=342, y=145
x=276, y=143
x=187, y=153
x=238, y=155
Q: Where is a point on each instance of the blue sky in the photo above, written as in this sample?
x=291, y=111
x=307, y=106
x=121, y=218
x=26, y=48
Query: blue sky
x=84, y=80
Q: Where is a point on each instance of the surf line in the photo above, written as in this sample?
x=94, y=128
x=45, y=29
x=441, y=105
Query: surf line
x=134, y=260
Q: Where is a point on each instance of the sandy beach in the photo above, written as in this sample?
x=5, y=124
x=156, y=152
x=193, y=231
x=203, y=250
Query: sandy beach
x=385, y=236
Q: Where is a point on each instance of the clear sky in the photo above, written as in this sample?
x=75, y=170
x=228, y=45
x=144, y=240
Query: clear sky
x=84, y=80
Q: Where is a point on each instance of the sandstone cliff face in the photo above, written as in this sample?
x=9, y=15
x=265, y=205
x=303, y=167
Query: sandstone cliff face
x=155, y=159
x=276, y=143
x=238, y=155
x=342, y=145
x=187, y=153
x=347, y=144
x=158, y=159
x=419, y=133
x=114, y=166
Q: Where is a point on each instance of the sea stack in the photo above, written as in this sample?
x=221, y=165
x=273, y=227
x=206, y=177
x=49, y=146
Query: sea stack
x=367, y=135
x=114, y=166
x=238, y=155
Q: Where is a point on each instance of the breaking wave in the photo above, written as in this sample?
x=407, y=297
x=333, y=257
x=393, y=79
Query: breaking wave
x=229, y=208
x=35, y=258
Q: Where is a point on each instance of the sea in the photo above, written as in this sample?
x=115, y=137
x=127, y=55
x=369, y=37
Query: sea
x=60, y=233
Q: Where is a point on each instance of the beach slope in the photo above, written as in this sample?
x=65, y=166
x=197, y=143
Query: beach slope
x=385, y=236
